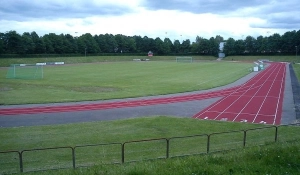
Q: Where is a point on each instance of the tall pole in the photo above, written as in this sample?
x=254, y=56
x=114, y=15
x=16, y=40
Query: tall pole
x=85, y=52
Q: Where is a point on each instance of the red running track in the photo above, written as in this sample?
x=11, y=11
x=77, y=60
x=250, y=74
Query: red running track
x=112, y=105
x=257, y=101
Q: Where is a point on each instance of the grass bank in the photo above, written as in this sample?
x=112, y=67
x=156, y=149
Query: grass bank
x=255, y=58
x=251, y=159
x=282, y=158
x=5, y=62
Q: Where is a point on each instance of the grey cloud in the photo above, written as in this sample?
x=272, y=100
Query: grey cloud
x=202, y=6
x=20, y=10
x=277, y=13
x=283, y=15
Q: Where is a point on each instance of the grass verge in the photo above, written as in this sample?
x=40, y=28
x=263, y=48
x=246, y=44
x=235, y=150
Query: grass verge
x=120, y=131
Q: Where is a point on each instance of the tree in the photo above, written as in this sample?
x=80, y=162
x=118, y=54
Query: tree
x=214, y=44
x=88, y=44
x=28, y=46
x=69, y=43
x=258, y=46
x=48, y=46
x=229, y=47
x=121, y=43
x=176, y=48
x=250, y=43
x=276, y=43
x=219, y=39
x=131, y=44
x=39, y=45
x=186, y=46
x=1, y=43
x=31, y=43
x=167, y=46
x=112, y=45
x=102, y=43
x=139, y=44
x=13, y=42
x=159, y=46
x=239, y=47
x=54, y=43
x=204, y=46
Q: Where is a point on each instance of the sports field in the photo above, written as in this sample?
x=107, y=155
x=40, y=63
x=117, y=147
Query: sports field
x=263, y=89
x=114, y=80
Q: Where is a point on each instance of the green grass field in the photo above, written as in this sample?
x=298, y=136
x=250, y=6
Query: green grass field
x=112, y=80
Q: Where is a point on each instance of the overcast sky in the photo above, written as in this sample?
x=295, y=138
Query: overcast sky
x=175, y=19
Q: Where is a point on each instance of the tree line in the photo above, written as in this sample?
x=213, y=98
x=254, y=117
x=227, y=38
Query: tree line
x=12, y=42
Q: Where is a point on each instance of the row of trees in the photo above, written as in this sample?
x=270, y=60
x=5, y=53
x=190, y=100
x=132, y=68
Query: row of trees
x=31, y=43
x=288, y=43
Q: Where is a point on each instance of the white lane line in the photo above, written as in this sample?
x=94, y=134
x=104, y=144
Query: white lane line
x=280, y=93
x=236, y=100
x=254, y=95
x=245, y=85
x=267, y=94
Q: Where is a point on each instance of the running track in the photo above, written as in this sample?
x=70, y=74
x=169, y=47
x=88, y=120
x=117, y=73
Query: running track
x=259, y=100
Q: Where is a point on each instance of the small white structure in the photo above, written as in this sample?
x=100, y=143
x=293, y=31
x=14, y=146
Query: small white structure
x=150, y=54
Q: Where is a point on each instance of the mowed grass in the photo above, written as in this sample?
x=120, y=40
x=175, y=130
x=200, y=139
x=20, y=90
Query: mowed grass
x=113, y=80
x=275, y=58
x=297, y=70
x=120, y=131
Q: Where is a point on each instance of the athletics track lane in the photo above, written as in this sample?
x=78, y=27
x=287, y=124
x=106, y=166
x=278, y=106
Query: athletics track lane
x=257, y=101
x=112, y=105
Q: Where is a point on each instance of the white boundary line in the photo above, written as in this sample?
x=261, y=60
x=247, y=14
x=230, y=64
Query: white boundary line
x=280, y=92
x=236, y=91
x=254, y=95
x=268, y=93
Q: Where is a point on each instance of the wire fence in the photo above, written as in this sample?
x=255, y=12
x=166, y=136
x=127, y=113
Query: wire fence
x=69, y=157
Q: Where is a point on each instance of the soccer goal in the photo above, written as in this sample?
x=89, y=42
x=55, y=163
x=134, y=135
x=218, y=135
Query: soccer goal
x=184, y=59
x=25, y=71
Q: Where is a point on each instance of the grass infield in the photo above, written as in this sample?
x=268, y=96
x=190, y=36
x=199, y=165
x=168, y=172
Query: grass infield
x=113, y=80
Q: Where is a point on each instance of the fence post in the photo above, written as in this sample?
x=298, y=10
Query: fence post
x=245, y=137
x=21, y=160
x=208, y=143
x=168, y=148
x=73, y=157
x=276, y=133
x=123, y=152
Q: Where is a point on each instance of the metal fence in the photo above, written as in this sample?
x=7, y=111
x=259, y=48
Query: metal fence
x=68, y=157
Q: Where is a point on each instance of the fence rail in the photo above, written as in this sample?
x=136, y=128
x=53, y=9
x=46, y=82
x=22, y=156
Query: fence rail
x=28, y=160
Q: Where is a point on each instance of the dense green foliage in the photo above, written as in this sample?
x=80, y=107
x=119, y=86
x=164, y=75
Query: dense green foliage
x=12, y=42
x=288, y=43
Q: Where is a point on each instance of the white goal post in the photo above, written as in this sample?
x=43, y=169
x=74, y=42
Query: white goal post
x=184, y=59
x=25, y=71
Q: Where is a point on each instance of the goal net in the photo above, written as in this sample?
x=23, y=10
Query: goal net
x=25, y=71
x=184, y=59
